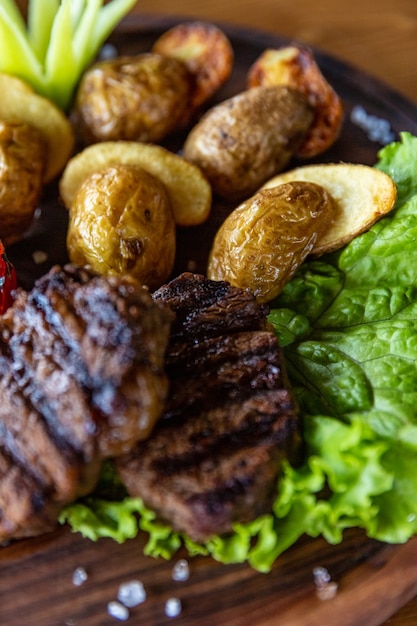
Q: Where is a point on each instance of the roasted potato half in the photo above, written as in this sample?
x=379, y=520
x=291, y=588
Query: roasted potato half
x=188, y=189
x=240, y=142
x=22, y=163
x=362, y=193
x=19, y=103
x=265, y=239
x=206, y=52
x=121, y=222
x=135, y=98
x=296, y=67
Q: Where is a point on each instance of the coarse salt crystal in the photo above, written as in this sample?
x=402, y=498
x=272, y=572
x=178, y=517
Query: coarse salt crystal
x=326, y=589
x=173, y=607
x=118, y=611
x=181, y=571
x=321, y=576
x=327, y=592
x=131, y=593
x=79, y=576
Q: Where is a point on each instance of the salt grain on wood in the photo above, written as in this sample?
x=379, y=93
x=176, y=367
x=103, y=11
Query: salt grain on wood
x=173, y=607
x=79, y=576
x=118, y=611
x=181, y=571
x=131, y=593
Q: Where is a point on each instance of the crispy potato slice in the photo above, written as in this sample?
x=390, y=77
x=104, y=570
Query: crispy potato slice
x=189, y=190
x=19, y=103
x=363, y=194
x=206, y=52
x=296, y=67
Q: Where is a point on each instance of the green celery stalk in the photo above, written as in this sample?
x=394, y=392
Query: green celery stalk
x=10, y=8
x=77, y=8
x=41, y=15
x=61, y=40
x=61, y=69
x=83, y=33
x=16, y=54
x=109, y=16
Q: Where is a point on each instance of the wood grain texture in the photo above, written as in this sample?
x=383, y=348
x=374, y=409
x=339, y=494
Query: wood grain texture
x=378, y=36
x=374, y=580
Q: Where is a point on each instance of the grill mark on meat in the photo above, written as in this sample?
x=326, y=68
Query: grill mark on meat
x=223, y=430
x=22, y=501
x=207, y=308
x=240, y=364
x=23, y=423
x=82, y=379
x=229, y=419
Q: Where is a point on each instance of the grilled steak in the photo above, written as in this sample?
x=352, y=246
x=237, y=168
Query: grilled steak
x=81, y=379
x=229, y=420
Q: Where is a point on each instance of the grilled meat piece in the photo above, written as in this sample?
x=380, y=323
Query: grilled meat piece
x=81, y=379
x=229, y=420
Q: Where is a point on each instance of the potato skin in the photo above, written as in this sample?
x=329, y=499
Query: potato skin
x=139, y=98
x=239, y=143
x=121, y=222
x=207, y=54
x=22, y=164
x=265, y=239
x=296, y=67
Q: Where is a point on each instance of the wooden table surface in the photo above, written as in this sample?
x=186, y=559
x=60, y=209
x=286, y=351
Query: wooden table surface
x=377, y=36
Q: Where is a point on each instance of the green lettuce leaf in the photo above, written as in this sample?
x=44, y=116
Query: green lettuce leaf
x=348, y=325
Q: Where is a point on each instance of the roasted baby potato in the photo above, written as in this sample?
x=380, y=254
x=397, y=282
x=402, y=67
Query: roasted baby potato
x=206, y=52
x=188, y=189
x=137, y=98
x=19, y=103
x=121, y=222
x=241, y=141
x=22, y=162
x=362, y=193
x=265, y=239
x=296, y=67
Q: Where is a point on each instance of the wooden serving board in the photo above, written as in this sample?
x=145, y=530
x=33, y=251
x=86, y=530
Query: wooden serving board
x=374, y=580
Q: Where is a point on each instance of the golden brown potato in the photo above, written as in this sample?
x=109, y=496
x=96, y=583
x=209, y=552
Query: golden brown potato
x=188, y=190
x=265, y=239
x=296, y=67
x=138, y=98
x=206, y=52
x=19, y=103
x=363, y=195
x=242, y=141
x=121, y=222
x=22, y=163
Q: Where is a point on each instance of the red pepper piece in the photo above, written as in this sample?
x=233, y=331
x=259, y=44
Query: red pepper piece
x=8, y=280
